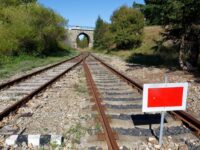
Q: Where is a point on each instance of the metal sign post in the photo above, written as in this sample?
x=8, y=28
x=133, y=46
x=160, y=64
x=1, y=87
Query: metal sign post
x=162, y=119
x=161, y=127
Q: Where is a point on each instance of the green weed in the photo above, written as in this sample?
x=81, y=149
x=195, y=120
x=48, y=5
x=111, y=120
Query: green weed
x=80, y=87
x=76, y=132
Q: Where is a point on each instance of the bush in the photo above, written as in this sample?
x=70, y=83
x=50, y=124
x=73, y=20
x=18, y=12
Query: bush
x=29, y=28
x=127, y=26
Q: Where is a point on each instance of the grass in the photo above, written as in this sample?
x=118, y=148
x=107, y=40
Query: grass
x=98, y=127
x=76, y=132
x=80, y=87
x=146, y=54
x=45, y=129
x=151, y=33
x=16, y=64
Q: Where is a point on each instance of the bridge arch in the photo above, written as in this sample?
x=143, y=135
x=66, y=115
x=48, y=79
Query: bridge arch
x=84, y=34
x=74, y=33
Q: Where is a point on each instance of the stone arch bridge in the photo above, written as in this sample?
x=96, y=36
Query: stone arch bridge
x=74, y=32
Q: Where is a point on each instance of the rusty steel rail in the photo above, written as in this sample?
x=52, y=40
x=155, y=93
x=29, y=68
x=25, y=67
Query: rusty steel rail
x=108, y=133
x=23, y=101
x=12, y=82
x=138, y=86
x=184, y=116
x=188, y=119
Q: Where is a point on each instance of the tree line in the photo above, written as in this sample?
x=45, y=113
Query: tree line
x=30, y=28
x=124, y=32
x=180, y=20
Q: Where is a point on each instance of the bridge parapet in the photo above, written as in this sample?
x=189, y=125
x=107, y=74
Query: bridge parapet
x=74, y=27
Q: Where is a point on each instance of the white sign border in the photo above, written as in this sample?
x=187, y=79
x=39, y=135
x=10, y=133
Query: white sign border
x=163, y=85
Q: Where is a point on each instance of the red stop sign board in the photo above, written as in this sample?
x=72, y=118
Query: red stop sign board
x=164, y=97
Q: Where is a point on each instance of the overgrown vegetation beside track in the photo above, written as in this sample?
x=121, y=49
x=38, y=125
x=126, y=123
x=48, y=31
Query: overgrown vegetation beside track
x=31, y=35
x=146, y=54
x=28, y=27
x=16, y=64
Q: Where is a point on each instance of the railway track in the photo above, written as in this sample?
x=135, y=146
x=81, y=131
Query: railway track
x=182, y=115
x=117, y=99
x=17, y=92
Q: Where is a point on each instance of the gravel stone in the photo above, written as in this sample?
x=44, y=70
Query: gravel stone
x=134, y=131
x=172, y=131
x=57, y=110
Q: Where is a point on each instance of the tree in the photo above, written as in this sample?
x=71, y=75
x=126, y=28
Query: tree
x=82, y=43
x=102, y=35
x=181, y=19
x=34, y=30
x=85, y=42
x=49, y=28
x=127, y=27
x=107, y=40
x=152, y=11
x=98, y=32
x=28, y=1
x=6, y=3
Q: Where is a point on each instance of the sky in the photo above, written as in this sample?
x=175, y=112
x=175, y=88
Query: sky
x=85, y=12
